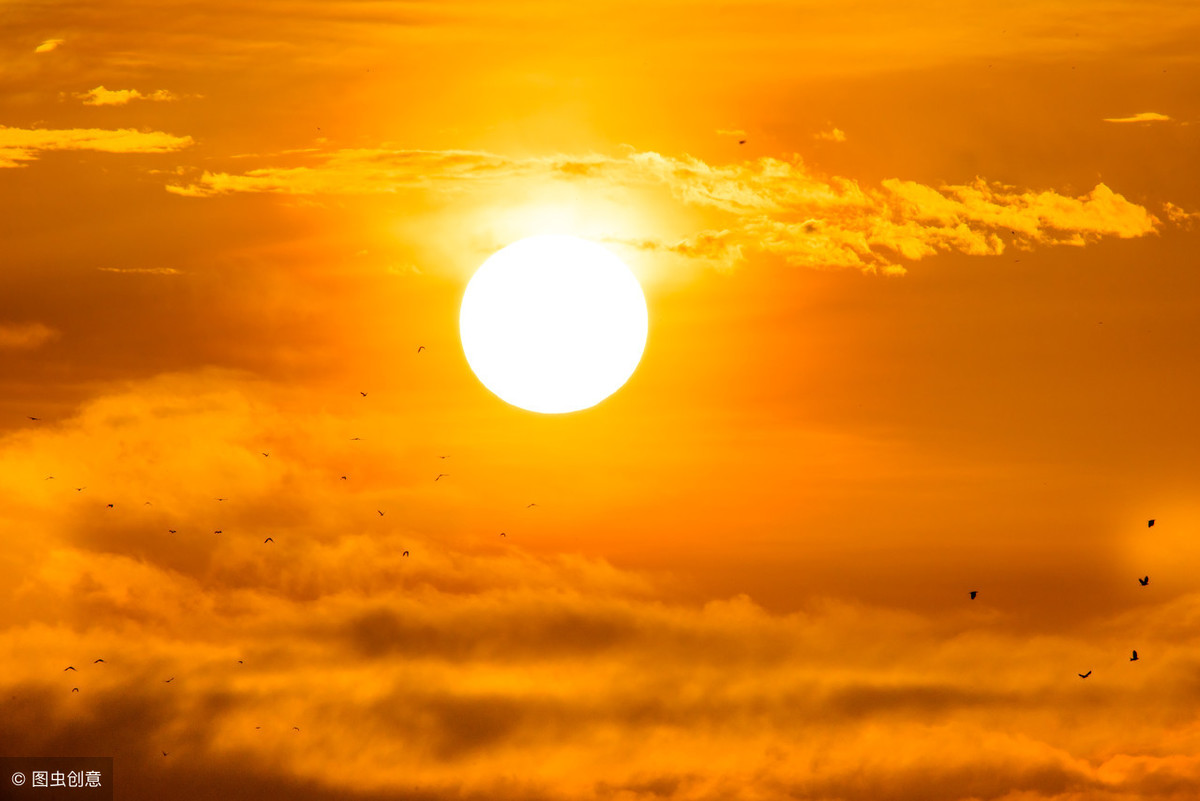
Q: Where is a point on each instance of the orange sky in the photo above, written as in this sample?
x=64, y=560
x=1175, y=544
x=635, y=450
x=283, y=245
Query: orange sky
x=931, y=329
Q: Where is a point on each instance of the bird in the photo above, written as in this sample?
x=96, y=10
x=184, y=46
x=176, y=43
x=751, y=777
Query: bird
x=240, y=662
x=363, y=394
x=404, y=554
x=444, y=457
x=74, y=689
x=532, y=504
x=217, y=531
x=264, y=453
x=380, y=512
x=171, y=531
x=34, y=418
x=344, y=478
x=502, y=534
x=164, y=753
x=94, y=661
x=70, y=667
x=1134, y=657
x=1085, y=675
x=295, y=728
x=110, y=506
x=47, y=478
x=168, y=681
x=80, y=489
x=256, y=728
x=355, y=439
x=1151, y=523
x=420, y=348
x=973, y=594
x=442, y=475
x=741, y=141
x=268, y=539
x=147, y=503
x=222, y=499
x=1144, y=580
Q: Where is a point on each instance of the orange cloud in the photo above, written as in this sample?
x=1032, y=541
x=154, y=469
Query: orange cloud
x=25, y=336
x=119, y=97
x=834, y=135
x=769, y=205
x=48, y=45
x=1145, y=116
x=25, y=144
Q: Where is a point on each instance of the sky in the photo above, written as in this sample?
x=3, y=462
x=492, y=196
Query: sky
x=930, y=329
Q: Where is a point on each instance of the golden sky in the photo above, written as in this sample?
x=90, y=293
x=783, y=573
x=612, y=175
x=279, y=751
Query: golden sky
x=932, y=328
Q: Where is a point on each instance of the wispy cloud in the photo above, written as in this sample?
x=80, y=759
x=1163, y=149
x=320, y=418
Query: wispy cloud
x=119, y=97
x=142, y=270
x=48, y=45
x=1144, y=116
x=832, y=135
x=25, y=336
x=19, y=145
x=777, y=206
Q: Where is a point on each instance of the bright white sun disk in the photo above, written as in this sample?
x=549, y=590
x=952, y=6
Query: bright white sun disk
x=553, y=323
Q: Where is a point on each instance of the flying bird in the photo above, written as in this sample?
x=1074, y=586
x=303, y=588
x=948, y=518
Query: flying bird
x=164, y=753
x=110, y=506
x=1134, y=657
x=168, y=681
x=171, y=531
x=532, y=504
x=74, y=689
x=420, y=348
x=80, y=489
x=741, y=141
x=1150, y=524
x=1144, y=580
x=70, y=667
x=1085, y=675
x=222, y=499
x=973, y=594
x=268, y=539
x=295, y=728
x=380, y=513
x=264, y=453
x=217, y=531
x=355, y=439
x=94, y=661
x=47, y=478
x=34, y=418
x=344, y=478
x=404, y=554
x=502, y=534
x=363, y=394
x=442, y=475
x=240, y=662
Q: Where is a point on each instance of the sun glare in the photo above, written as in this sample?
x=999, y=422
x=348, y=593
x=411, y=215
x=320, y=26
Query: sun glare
x=553, y=323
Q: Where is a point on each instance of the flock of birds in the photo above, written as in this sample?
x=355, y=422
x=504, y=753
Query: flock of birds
x=266, y=454
x=1144, y=581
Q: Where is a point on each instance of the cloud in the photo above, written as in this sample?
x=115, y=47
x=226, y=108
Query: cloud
x=1145, y=116
x=834, y=135
x=48, y=45
x=26, y=144
x=1180, y=217
x=25, y=336
x=445, y=674
x=119, y=97
x=777, y=206
x=142, y=270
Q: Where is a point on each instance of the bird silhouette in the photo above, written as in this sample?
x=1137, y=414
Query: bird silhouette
x=502, y=534
x=70, y=667
x=217, y=531
x=420, y=348
x=268, y=539
x=380, y=512
x=240, y=662
x=344, y=478
x=164, y=753
x=531, y=505
x=295, y=728
x=222, y=499
x=404, y=554
x=47, y=478
x=1144, y=580
x=442, y=475
x=444, y=457
x=1150, y=524
x=168, y=681
x=1134, y=657
x=741, y=141
x=1085, y=675
x=110, y=506
x=363, y=394
x=34, y=418
x=355, y=439
x=973, y=594
x=80, y=489
x=171, y=531
x=94, y=661
x=74, y=689
x=264, y=453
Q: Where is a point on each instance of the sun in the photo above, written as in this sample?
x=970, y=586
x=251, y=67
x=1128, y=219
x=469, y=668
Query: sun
x=553, y=323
